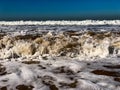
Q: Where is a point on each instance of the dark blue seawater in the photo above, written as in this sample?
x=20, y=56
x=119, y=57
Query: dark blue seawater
x=59, y=9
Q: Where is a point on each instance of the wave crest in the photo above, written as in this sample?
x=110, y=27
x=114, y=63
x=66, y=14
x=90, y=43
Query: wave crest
x=69, y=43
x=84, y=22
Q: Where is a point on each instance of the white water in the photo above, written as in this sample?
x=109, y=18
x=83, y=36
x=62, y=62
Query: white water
x=85, y=22
x=63, y=60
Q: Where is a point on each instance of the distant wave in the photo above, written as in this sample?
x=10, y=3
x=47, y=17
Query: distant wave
x=85, y=22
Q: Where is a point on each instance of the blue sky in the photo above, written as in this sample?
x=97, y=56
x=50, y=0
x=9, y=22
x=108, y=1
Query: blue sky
x=59, y=9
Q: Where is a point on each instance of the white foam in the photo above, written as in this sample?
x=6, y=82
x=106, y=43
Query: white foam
x=74, y=73
x=84, y=22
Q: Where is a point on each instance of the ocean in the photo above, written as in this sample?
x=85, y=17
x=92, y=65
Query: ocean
x=60, y=55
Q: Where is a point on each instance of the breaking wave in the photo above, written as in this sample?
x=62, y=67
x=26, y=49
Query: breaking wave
x=69, y=43
x=84, y=22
